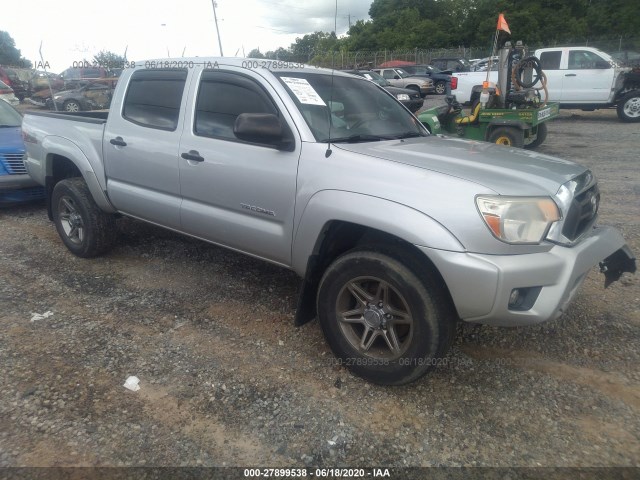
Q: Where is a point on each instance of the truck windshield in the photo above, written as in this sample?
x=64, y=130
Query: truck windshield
x=348, y=109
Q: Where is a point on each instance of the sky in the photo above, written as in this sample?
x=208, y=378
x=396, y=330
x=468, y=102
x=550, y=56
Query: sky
x=74, y=30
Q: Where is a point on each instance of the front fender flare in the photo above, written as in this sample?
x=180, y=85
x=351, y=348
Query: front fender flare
x=369, y=211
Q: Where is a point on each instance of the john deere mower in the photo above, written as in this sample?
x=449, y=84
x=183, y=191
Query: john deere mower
x=512, y=113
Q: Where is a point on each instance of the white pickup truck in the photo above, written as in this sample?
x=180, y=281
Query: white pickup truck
x=577, y=77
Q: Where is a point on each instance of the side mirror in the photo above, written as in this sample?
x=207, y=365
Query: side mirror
x=602, y=64
x=396, y=77
x=260, y=128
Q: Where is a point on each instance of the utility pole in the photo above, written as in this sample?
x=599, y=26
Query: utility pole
x=215, y=17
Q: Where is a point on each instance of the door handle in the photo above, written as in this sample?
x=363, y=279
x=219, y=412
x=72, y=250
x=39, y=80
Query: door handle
x=570, y=75
x=118, y=141
x=192, y=155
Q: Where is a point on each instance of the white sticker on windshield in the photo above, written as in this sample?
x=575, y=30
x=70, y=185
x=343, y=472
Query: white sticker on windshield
x=303, y=90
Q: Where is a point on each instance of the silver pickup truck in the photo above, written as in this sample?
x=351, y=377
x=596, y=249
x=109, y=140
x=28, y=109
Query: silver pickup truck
x=397, y=234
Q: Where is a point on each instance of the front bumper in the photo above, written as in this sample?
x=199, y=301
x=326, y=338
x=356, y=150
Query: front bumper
x=413, y=105
x=425, y=89
x=481, y=285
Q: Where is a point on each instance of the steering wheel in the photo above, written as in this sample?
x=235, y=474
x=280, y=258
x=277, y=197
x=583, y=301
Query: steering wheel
x=528, y=62
x=364, y=120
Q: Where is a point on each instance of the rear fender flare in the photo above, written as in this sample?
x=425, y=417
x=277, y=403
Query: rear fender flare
x=59, y=146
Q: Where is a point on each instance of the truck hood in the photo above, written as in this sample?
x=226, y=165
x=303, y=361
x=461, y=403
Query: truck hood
x=506, y=171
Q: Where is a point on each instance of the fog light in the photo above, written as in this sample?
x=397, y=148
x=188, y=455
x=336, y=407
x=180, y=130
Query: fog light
x=514, y=297
x=522, y=299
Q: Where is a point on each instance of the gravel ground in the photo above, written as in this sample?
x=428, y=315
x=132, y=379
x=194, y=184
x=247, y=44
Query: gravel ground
x=226, y=379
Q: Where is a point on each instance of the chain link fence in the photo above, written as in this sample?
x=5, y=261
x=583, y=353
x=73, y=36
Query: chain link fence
x=624, y=48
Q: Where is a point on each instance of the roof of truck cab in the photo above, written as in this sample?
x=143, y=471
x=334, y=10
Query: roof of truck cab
x=279, y=66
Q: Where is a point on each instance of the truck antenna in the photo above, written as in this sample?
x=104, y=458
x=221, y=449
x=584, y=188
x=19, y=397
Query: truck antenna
x=333, y=57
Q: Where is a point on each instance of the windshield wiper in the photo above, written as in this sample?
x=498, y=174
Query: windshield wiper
x=359, y=137
x=408, y=135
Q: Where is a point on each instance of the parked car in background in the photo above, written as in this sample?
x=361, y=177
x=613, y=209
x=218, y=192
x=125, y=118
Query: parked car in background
x=12, y=77
x=93, y=95
x=627, y=58
x=409, y=98
x=441, y=78
x=401, y=78
x=587, y=78
x=7, y=94
x=74, y=77
x=482, y=64
x=455, y=64
x=15, y=183
x=40, y=81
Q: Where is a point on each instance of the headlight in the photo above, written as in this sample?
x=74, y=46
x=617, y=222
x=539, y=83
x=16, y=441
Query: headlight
x=518, y=219
x=403, y=97
x=57, y=97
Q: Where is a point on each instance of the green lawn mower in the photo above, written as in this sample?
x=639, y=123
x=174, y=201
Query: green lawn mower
x=518, y=118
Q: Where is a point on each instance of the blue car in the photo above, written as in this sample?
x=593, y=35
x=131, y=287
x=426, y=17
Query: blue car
x=15, y=184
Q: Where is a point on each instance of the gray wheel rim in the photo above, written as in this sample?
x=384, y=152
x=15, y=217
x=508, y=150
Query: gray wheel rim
x=374, y=318
x=632, y=107
x=440, y=88
x=71, y=220
x=72, y=107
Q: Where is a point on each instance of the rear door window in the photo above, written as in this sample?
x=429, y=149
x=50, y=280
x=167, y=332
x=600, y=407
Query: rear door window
x=551, y=60
x=154, y=97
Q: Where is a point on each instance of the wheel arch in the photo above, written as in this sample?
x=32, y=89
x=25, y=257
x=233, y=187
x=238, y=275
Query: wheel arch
x=325, y=233
x=64, y=159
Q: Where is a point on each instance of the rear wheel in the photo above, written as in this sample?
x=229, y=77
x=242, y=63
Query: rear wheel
x=509, y=136
x=541, y=136
x=629, y=107
x=86, y=230
x=441, y=87
x=383, y=322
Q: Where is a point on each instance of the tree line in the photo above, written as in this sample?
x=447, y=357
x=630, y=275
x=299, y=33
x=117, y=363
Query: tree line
x=433, y=24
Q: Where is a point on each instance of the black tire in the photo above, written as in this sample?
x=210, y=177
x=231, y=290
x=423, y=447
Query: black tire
x=508, y=136
x=441, y=87
x=86, y=230
x=361, y=323
x=71, y=106
x=629, y=107
x=415, y=88
x=540, y=137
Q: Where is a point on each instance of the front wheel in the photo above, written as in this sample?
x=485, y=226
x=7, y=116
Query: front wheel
x=541, y=136
x=86, y=230
x=629, y=107
x=383, y=322
x=441, y=87
x=509, y=136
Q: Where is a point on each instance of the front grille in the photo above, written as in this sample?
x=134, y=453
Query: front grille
x=582, y=213
x=13, y=163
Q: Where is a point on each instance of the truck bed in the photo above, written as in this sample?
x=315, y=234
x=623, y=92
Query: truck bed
x=97, y=116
